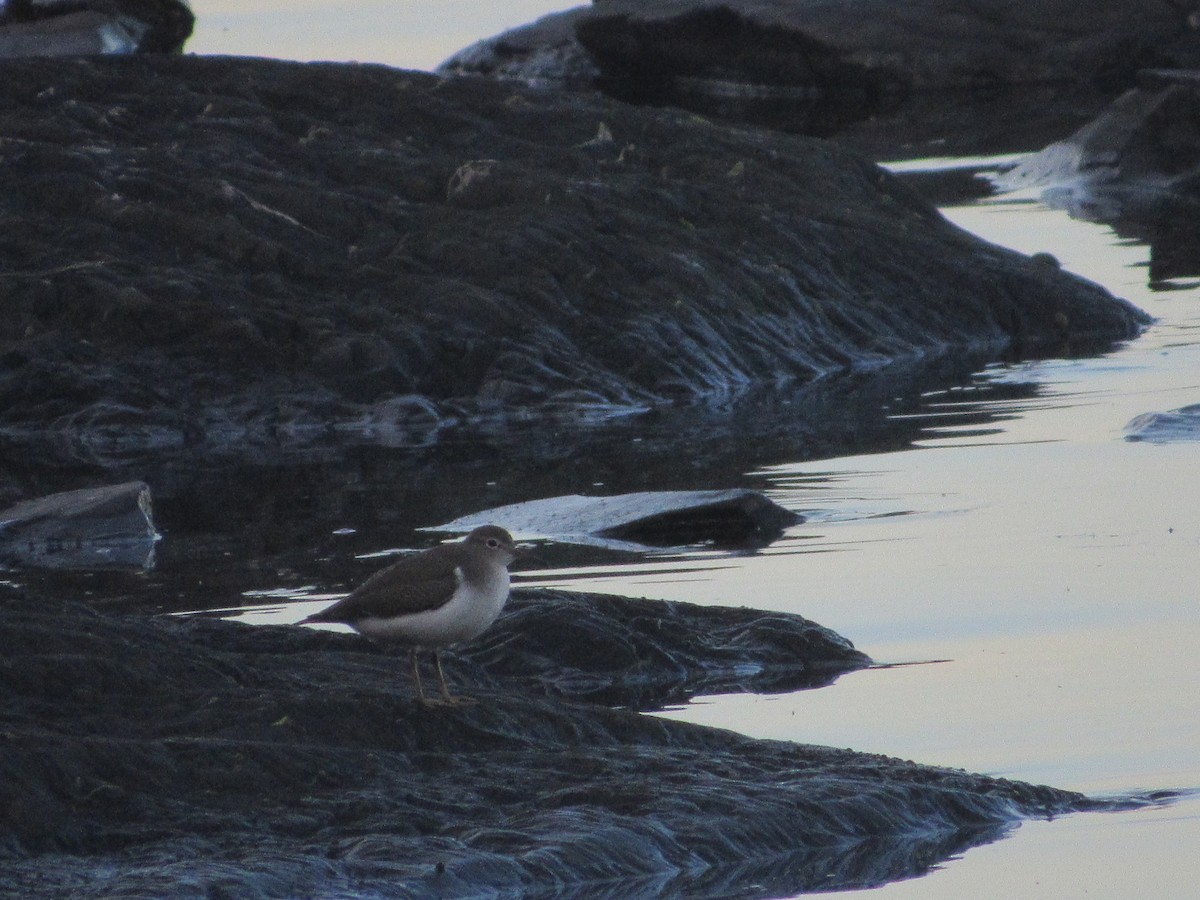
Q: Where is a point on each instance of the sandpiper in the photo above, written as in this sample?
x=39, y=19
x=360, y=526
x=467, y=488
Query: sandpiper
x=444, y=595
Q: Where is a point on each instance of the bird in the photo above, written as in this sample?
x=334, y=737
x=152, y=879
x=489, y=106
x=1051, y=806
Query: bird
x=445, y=595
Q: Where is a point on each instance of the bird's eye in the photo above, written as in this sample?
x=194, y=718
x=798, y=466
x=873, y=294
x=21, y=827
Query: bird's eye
x=493, y=543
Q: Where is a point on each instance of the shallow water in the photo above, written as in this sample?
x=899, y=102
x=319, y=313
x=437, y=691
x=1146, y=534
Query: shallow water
x=1031, y=573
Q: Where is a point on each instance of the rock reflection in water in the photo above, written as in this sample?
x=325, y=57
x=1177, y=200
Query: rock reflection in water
x=229, y=529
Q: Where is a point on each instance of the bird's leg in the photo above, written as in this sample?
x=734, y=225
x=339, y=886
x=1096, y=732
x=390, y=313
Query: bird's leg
x=416, y=674
x=437, y=661
x=447, y=697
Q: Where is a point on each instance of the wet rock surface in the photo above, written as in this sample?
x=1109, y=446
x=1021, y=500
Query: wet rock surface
x=649, y=654
x=229, y=256
x=184, y=756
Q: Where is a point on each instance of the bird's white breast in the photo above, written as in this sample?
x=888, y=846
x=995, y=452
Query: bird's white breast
x=466, y=615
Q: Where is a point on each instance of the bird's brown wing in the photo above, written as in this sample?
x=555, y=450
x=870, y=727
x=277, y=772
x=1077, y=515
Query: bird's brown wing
x=411, y=585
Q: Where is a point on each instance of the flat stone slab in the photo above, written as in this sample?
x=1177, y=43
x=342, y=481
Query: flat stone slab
x=737, y=517
x=156, y=756
x=112, y=525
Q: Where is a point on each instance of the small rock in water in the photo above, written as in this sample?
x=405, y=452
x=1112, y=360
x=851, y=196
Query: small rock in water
x=90, y=528
x=736, y=517
x=1181, y=424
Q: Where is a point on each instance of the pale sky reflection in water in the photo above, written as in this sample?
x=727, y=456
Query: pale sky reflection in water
x=410, y=34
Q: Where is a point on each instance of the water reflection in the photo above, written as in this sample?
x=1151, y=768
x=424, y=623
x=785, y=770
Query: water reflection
x=235, y=531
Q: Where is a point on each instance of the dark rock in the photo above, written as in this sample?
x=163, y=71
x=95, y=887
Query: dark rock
x=171, y=757
x=922, y=45
x=732, y=518
x=89, y=27
x=1139, y=160
x=1136, y=166
x=228, y=255
x=648, y=654
x=823, y=68
x=719, y=62
x=545, y=53
x=89, y=528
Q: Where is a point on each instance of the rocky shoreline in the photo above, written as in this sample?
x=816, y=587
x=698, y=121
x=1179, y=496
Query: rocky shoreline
x=220, y=254
x=145, y=757
x=214, y=266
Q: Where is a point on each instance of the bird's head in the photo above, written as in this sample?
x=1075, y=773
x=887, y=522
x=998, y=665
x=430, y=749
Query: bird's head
x=495, y=540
